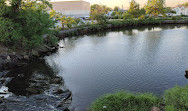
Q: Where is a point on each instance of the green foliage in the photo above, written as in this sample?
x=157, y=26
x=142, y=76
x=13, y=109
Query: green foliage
x=10, y=33
x=169, y=10
x=177, y=97
x=142, y=17
x=176, y=18
x=69, y=22
x=36, y=24
x=24, y=23
x=127, y=16
x=98, y=10
x=76, y=22
x=134, y=9
x=119, y=14
x=131, y=22
x=155, y=7
x=51, y=40
x=113, y=14
x=169, y=108
x=55, y=15
x=116, y=8
x=185, y=4
x=101, y=19
x=125, y=101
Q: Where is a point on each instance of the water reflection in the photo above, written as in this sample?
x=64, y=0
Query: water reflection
x=37, y=76
x=144, y=59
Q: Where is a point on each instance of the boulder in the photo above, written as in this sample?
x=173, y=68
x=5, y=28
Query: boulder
x=59, y=91
x=186, y=72
x=155, y=109
x=8, y=58
x=26, y=57
x=33, y=90
x=35, y=53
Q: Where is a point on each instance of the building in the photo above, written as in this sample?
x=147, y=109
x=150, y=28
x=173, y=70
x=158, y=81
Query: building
x=78, y=8
x=181, y=10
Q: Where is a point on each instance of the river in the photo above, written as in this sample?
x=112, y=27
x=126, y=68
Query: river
x=138, y=59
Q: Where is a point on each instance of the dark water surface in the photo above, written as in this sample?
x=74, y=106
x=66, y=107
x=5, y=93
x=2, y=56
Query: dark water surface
x=139, y=60
x=145, y=59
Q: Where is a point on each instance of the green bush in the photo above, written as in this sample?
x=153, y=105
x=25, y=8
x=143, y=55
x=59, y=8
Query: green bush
x=176, y=18
x=125, y=101
x=35, y=24
x=177, y=97
x=142, y=17
x=23, y=24
x=101, y=19
x=10, y=33
x=51, y=40
x=127, y=16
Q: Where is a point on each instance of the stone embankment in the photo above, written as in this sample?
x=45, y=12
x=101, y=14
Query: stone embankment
x=89, y=29
x=175, y=22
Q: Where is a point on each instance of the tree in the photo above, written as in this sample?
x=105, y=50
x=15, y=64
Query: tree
x=24, y=22
x=98, y=10
x=134, y=9
x=185, y=4
x=169, y=10
x=55, y=15
x=119, y=14
x=116, y=8
x=101, y=19
x=155, y=7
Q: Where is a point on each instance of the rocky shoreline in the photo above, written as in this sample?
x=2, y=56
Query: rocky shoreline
x=9, y=60
x=22, y=89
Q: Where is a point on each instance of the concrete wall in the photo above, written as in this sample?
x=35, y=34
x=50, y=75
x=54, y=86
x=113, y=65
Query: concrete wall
x=72, y=8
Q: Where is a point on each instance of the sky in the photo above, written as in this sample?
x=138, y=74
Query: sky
x=125, y=3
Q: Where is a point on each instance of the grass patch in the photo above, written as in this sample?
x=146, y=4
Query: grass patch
x=126, y=101
x=176, y=99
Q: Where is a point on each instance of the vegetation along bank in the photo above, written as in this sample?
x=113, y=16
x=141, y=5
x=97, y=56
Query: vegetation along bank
x=116, y=24
x=175, y=99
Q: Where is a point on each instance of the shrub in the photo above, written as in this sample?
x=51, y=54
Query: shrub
x=76, y=22
x=101, y=19
x=142, y=17
x=35, y=23
x=51, y=40
x=176, y=18
x=69, y=21
x=125, y=101
x=10, y=33
x=127, y=16
x=23, y=26
x=177, y=97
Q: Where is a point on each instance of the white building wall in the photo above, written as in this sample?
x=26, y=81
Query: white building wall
x=183, y=10
x=74, y=13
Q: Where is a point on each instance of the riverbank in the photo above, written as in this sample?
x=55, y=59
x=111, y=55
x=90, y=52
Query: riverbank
x=15, y=58
x=35, y=86
x=174, y=99
x=23, y=89
x=116, y=24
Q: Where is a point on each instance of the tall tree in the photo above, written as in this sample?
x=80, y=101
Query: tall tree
x=134, y=9
x=98, y=10
x=155, y=7
x=24, y=22
x=116, y=8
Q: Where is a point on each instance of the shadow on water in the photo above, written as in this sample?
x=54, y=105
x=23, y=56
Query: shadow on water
x=34, y=78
